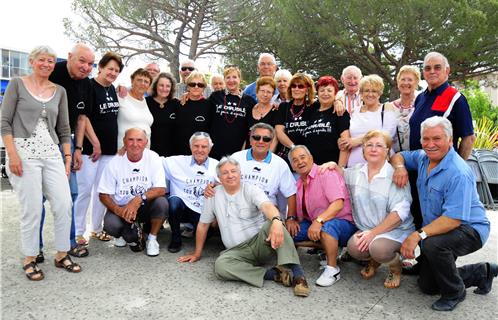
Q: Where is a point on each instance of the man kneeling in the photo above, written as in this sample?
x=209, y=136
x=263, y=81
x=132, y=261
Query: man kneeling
x=249, y=240
x=132, y=188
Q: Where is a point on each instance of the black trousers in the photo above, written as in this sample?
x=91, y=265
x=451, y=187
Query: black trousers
x=118, y=227
x=438, y=271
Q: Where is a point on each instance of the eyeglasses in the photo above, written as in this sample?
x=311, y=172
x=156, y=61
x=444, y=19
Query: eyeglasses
x=201, y=133
x=258, y=138
x=367, y=91
x=194, y=84
x=187, y=68
x=299, y=86
x=375, y=146
x=436, y=67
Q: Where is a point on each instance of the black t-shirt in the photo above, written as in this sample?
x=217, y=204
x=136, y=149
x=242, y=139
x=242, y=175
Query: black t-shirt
x=269, y=118
x=192, y=117
x=104, y=119
x=162, y=130
x=322, y=132
x=79, y=92
x=229, y=124
x=294, y=119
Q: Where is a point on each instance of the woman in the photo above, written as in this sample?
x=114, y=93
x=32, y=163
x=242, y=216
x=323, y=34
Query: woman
x=193, y=116
x=263, y=111
x=217, y=83
x=230, y=110
x=133, y=111
x=102, y=131
x=162, y=105
x=407, y=79
x=282, y=78
x=325, y=127
x=293, y=116
x=34, y=121
x=372, y=115
x=382, y=210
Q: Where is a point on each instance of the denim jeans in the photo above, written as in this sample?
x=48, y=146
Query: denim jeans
x=438, y=271
x=178, y=213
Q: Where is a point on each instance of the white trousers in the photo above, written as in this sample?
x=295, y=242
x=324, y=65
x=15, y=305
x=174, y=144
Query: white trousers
x=88, y=181
x=43, y=178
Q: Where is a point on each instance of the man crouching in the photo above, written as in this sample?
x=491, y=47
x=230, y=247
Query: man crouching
x=249, y=240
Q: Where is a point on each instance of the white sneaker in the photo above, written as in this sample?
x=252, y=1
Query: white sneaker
x=119, y=242
x=329, y=276
x=152, y=248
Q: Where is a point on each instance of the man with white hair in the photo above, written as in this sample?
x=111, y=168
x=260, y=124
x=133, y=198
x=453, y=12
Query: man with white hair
x=188, y=177
x=454, y=220
x=350, y=95
x=267, y=66
x=186, y=68
x=153, y=69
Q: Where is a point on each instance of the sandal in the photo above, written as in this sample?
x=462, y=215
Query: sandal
x=78, y=251
x=102, y=236
x=282, y=276
x=393, y=279
x=36, y=274
x=81, y=240
x=370, y=269
x=67, y=264
x=40, y=258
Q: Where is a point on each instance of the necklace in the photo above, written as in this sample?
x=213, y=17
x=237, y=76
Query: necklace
x=261, y=111
x=296, y=115
x=225, y=110
x=37, y=91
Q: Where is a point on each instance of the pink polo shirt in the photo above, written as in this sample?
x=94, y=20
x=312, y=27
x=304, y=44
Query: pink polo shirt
x=321, y=191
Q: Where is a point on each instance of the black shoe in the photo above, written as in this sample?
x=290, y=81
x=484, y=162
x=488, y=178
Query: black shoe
x=445, y=304
x=174, y=247
x=135, y=247
x=40, y=258
x=487, y=282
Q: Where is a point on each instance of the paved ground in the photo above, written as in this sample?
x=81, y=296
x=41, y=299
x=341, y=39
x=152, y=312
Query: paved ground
x=118, y=284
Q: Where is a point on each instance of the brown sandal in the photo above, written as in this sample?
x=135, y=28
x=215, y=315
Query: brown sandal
x=102, y=236
x=370, y=269
x=36, y=271
x=70, y=266
x=393, y=279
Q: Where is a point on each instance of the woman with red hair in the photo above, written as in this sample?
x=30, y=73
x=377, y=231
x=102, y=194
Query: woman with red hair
x=325, y=127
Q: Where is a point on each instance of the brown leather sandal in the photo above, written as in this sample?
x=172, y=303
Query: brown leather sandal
x=36, y=274
x=68, y=264
x=370, y=270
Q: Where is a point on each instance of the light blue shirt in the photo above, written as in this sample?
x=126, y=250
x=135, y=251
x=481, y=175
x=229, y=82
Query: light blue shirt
x=449, y=190
x=250, y=90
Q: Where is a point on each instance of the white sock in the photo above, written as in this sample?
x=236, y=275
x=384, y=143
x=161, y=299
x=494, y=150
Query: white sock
x=151, y=237
x=334, y=269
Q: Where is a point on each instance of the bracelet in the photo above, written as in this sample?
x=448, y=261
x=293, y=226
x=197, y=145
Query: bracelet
x=291, y=218
x=68, y=155
x=276, y=218
x=78, y=148
x=399, y=166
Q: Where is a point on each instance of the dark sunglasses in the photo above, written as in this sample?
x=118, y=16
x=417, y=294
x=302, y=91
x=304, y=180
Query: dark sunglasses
x=198, y=84
x=299, y=86
x=187, y=68
x=258, y=138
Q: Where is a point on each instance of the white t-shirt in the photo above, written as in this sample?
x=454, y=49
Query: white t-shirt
x=133, y=113
x=271, y=175
x=189, y=179
x=124, y=180
x=239, y=215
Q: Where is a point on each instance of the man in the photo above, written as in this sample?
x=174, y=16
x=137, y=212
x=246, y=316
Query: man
x=217, y=82
x=266, y=170
x=73, y=76
x=350, y=95
x=324, y=211
x=132, y=188
x=249, y=240
x=267, y=66
x=153, y=69
x=186, y=68
x=188, y=177
x=454, y=220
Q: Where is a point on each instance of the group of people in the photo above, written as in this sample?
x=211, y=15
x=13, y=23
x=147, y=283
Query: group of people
x=268, y=167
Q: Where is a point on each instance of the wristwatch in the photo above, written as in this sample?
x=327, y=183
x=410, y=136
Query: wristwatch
x=422, y=234
x=291, y=218
x=320, y=221
x=276, y=218
x=144, y=198
x=78, y=148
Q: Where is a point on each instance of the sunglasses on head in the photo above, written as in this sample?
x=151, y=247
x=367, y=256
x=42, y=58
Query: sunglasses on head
x=258, y=138
x=194, y=84
x=201, y=133
x=299, y=86
x=187, y=68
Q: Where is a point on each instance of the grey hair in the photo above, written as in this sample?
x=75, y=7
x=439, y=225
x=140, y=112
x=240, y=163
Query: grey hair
x=200, y=135
x=436, y=121
x=282, y=73
x=216, y=75
x=225, y=160
x=262, y=125
x=80, y=46
x=185, y=61
x=135, y=129
x=299, y=146
x=267, y=55
x=436, y=55
x=42, y=50
x=351, y=68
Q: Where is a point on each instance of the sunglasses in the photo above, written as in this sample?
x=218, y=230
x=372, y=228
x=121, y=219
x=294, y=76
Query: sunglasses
x=299, y=86
x=258, y=138
x=187, y=68
x=201, y=133
x=196, y=84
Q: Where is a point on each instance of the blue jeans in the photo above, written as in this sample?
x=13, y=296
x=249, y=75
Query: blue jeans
x=178, y=213
x=339, y=229
x=73, y=185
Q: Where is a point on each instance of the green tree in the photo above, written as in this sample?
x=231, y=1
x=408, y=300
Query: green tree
x=480, y=103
